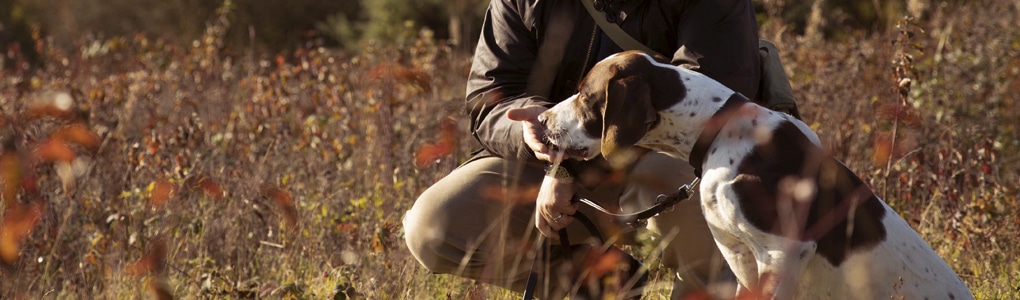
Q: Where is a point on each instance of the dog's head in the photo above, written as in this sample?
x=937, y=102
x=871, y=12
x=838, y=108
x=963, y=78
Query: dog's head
x=616, y=104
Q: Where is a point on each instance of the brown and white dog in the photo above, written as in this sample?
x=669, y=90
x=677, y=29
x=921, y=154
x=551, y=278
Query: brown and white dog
x=792, y=222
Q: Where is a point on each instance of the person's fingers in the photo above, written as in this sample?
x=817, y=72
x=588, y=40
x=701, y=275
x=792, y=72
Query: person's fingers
x=562, y=222
x=568, y=209
x=555, y=218
x=534, y=131
x=535, y=143
x=545, y=228
x=527, y=113
x=542, y=156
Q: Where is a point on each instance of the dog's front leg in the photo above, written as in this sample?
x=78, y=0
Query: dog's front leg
x=740, y=259
x=780, y=264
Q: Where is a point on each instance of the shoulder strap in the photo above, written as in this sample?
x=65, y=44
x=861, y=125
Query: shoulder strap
x=620, y=37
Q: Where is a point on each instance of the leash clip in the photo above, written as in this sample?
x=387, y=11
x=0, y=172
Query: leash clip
x=664, y=199
x=684, y=192
x=689, y=188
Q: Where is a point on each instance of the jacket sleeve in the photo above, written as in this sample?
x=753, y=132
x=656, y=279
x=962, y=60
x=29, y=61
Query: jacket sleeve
x=498, y=78
x=719, y=38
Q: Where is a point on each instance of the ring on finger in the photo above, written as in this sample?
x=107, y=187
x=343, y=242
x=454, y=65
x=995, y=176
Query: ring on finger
x=557, y=218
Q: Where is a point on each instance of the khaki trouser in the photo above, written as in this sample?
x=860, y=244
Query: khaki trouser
x=478, y=221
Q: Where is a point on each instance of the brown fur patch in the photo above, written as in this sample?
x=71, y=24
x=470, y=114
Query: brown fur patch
x=839, y=198
x=620, y=96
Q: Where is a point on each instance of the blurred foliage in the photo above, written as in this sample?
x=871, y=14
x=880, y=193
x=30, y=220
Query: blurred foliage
x=271, y=26
x=276, y=26
x=144, y=162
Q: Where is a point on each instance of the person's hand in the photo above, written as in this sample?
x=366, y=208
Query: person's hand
x=553, y=209
x=534, y=131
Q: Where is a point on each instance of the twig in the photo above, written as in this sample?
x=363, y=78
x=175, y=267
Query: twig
x=271, y=244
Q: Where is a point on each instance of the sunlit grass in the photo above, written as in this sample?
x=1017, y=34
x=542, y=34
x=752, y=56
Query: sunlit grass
x=288, y=175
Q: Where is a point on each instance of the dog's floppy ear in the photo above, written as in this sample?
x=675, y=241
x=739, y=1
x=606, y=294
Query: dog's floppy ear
x=627, y=116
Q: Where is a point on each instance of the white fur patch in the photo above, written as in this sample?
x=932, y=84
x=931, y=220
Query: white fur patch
x=901, y=265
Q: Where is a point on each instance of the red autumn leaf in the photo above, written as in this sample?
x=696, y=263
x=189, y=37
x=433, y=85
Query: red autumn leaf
x=345, y=228
x=284, y=201
x=54, y=149
x=430, y=152
x=882, y=150
x=205, y=184
x=162, y=191
x=151, y=262
x=17, y=223
x=79, y=134
x=10, y=166
x=152, y=144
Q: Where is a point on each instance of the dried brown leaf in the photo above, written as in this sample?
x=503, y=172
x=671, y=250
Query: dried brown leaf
x=284, y=201
x=152, y=261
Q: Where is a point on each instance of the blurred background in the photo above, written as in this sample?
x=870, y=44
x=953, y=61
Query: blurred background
x=347, y=24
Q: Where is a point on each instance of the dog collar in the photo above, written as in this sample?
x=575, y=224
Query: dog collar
x=711, y=130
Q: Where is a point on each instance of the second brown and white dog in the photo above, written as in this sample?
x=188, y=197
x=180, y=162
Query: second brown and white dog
x=792, y=222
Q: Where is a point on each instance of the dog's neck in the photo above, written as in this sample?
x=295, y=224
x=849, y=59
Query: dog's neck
x=680, y=125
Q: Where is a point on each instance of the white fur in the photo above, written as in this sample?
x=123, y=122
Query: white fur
x=875, y=273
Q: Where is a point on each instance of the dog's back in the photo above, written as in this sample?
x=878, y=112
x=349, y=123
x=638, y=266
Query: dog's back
x=791, y=196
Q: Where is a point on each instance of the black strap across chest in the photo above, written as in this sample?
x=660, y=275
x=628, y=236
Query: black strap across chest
x=711, y=130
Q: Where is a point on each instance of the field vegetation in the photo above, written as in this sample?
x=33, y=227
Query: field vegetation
x=142, y=166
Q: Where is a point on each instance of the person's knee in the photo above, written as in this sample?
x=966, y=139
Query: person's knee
x=424, y=236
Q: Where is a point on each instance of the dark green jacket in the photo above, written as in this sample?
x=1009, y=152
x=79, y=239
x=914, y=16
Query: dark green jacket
x=718, y=38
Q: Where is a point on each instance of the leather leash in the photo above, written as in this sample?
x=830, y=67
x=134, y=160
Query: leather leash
x=663, y=203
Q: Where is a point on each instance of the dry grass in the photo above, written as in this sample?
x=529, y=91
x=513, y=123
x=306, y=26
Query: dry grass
x=197, y=172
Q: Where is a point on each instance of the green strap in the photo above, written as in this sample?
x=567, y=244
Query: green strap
x=614, y=31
